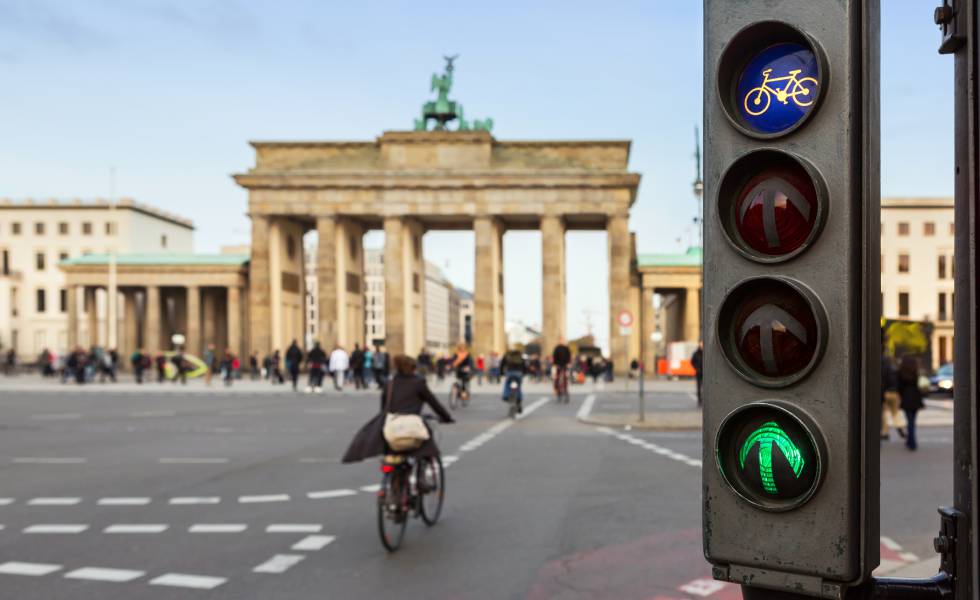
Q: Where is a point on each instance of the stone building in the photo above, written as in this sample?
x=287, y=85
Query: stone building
x=35, y=236
x=407, y=183
x=917, y=268
x=374, y=296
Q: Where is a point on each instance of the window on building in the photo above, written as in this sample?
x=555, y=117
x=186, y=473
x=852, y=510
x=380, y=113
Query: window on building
x=63, y=300
x=63, y=228
x=87, y=228
x=943, y=355
x=110, y=228
x=62, y=255
x=903, y=263
x=15, y=228
x=40, y=301
x=929, y=228
x=163, y=241
x=13, y=301
x=942, y=306
x=39, y=228
x=903, y=304
x=942, y=266
x=39, y=261
x=6, y=262
x=903, y=228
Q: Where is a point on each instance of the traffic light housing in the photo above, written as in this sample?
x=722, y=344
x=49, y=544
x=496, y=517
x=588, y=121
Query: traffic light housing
x=791, y=293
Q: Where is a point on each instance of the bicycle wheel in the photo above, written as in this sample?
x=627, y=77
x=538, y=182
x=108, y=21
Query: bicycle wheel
x=760, y=103
x=807, y=87
x=431, y=483
x=512, y=405
x=392, y=517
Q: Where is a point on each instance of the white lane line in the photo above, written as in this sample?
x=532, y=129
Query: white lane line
x=53, y=501
x=374, y=487
x=330, y=494
x=294, y=528
x=891, y=544
x=655, y=448
x=195, y=500
x=100, y=574
x=531, y=408
x=192, y=461
x=6, y=501
x=266, y=498
x=279, y=563
x=218, y=528
x=56, y=528
x=311, y=543
x=908, y=556
x=586, y=409
x=24, y=568
x=119, y=501
x=199, y=582
x=56, y=417
x=702, y=587
x=48, y=460
x=136, y=528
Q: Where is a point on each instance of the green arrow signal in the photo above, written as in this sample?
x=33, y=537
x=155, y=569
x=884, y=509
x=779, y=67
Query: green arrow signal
x=765, y=436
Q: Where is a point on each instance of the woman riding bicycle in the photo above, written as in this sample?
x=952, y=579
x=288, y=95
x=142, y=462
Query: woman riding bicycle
x=404, y=394
x=463, y=365
x=514, y=369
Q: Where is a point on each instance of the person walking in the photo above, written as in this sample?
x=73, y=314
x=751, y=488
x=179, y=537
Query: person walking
x=294, y=360
x=357, y=367
x=136, y=359
x=697, y=361
x=180, y=365
x=228, y=367
x=368, y=365
x=253, y=365
x=275, y=372
x=910, y=396
x=339, y=362
x=316, y=362
x=210, y=362
x=890, y=400
x=161, y=363
x=380, y=366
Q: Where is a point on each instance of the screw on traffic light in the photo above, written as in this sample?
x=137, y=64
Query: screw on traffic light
x=791, y=293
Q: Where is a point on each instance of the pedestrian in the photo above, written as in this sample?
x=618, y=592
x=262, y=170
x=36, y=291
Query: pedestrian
x=228, y=367
x=910, y=396
x=161, y=367
x=294, y=360
x=10, y=363
x=697, y=361
x=136, y=360
x=253, y=365
x=316, y=361
x=357, y=366
x=339, y=362
x=275, y=373
x=890, y=400
x=368, y=365
x=180, y=366
x=210, y=363
x=494, y=368
x=380, y=366
x=481, y=366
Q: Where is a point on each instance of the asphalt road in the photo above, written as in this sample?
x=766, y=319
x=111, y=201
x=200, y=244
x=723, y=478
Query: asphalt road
x=162, y=492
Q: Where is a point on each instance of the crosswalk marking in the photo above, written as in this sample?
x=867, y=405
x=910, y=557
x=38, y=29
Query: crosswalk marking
x=330, y=494
x=25, y=568
x=101, y=574
x=266, y=498
x=279, y=563
x=312, y=543
x=200, y=582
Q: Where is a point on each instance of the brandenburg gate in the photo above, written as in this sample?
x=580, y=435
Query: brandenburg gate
x=407, y=183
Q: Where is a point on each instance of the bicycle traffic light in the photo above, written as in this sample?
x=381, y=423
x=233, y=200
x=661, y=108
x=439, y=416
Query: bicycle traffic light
x=791, y=293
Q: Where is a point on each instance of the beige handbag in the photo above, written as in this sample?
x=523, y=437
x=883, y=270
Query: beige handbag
x=403, y=432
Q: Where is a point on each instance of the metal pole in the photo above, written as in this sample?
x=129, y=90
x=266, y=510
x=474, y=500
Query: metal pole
x=643, y=408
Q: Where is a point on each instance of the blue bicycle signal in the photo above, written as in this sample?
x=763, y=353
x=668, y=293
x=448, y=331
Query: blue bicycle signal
x=778, y=87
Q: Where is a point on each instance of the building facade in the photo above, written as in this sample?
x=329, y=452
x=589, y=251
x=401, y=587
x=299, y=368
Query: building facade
x=374, y=296
x=917, y=269
x=35, y=236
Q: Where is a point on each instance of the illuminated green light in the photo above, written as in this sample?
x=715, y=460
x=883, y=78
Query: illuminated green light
x=765, y=436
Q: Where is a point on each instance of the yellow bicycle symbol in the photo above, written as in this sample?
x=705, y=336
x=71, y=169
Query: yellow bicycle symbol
x=793, y=89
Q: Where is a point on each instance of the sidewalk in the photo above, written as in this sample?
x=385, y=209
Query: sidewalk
x=669, y=406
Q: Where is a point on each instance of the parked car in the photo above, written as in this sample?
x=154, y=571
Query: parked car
x=942, y=381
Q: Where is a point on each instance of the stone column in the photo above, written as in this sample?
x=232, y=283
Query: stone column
x=395, y=285
x=488, y=300
x=209, y=326
x=152, y=320
x=692, y=315
x=327, y=278
x=92, y=315
x=193, y=333
x=552, y=281
x=260, y=308
x=234, y=312
x=648, y=324
x=130, y=325
x=415, y=294
x=72, y=298
x=618, y=242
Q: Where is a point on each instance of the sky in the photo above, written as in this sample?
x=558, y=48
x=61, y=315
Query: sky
x=169, y=94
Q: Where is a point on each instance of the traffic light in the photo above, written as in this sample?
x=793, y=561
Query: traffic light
x=791, y=293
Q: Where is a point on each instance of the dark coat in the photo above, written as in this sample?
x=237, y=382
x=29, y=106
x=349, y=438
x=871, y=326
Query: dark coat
x=409, y=395
x=909, y=392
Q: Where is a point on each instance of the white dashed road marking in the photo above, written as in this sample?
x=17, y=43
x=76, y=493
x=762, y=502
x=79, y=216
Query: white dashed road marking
x=702, y=587
x=294, y=528
x=374, y=487
x=136, y=528
x=266, y=498
x=56, y=417
x=56, y=528
x=586, y=409
x=192, y=461
x=279, y=563
x=6, y=501
x=48, y=460
x=54, y=501
x=100, y=574
x=198, y=582
x=31, y=569
x=655, y=448
x=195, y=500
x=313, y=542
x=330, y=494
x=218, y=528
x=123, y=501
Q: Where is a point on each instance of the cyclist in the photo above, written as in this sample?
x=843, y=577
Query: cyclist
x=561, y=357
x=514, y=369
x=463, y=367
